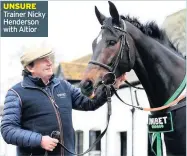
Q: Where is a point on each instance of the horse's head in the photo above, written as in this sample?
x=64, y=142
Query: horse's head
x=113, y=52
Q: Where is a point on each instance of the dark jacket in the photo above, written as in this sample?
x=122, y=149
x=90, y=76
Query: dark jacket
x=32, y=109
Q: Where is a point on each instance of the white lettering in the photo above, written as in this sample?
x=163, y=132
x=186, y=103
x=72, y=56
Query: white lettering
x=156, y=121
x=36, y=14
x=160, y=121
x=165, y=119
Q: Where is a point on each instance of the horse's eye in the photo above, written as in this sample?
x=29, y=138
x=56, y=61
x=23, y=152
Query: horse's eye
x=111, y=43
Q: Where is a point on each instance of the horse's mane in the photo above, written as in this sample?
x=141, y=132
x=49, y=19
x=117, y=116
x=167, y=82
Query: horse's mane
x=151, y=29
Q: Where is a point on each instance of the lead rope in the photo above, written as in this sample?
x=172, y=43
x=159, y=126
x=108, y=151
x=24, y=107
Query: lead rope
x=168, y=104
x=56, y=134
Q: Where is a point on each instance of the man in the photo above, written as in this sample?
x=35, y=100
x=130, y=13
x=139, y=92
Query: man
x=41, y=104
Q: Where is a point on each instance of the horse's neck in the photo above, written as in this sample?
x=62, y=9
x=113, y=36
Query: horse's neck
x=159, y=69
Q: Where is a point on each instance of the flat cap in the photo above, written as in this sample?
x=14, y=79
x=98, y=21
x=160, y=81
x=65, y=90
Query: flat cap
x=33, y=54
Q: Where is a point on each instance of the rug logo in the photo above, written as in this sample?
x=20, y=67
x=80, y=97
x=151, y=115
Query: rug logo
x=158, y=122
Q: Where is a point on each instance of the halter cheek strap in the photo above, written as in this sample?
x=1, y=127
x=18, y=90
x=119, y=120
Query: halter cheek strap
x=124, y=46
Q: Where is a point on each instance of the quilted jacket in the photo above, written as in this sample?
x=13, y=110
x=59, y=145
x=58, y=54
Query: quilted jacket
x=32, y=109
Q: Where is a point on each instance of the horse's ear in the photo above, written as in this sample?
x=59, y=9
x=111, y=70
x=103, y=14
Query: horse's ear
x=99, y=15
x=114, y=13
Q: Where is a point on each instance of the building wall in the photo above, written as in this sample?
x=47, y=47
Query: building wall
x=175, y=27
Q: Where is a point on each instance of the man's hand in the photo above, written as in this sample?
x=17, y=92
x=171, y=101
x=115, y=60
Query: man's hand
x=119, y=81
x=48, y=143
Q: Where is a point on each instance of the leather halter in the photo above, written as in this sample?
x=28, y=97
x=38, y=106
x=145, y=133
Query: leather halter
x=119, y=56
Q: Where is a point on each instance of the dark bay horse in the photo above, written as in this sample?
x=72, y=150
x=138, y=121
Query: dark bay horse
x=124, y=44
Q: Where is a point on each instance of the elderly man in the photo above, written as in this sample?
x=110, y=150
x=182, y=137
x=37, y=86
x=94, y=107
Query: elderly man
x=41, y=104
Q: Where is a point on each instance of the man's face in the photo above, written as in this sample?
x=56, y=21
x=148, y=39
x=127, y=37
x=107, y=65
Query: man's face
x=43, y=68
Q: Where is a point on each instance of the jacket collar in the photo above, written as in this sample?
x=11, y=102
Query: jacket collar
x=31, y=82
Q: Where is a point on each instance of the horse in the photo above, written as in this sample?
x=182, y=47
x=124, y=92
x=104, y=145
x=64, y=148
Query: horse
x=125, y=44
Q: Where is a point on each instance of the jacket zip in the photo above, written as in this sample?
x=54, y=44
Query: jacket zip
x=59, y=122
x=55, y=106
